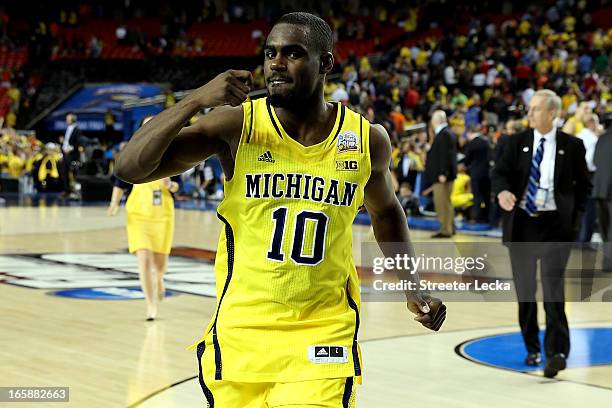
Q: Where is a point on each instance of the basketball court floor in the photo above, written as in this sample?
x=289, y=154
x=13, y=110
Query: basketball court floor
x=71, y=315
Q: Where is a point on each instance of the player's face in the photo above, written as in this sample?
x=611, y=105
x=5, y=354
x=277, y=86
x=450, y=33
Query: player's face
x=291, y=69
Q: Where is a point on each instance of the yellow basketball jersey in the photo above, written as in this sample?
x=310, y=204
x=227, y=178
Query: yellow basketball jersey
x=287, y=287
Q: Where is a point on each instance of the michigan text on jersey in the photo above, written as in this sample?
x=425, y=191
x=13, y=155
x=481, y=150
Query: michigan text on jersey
x=300, y=186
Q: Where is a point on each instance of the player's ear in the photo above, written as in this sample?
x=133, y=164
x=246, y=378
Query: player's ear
x=327, y=63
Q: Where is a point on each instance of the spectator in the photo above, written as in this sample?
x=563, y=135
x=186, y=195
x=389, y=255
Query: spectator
x=575, y=124
x=588, y=135
x=440, y=171
x=70, y=150
x=409, y=202
x=462, y=198
x=602, y=193
x=476, y=159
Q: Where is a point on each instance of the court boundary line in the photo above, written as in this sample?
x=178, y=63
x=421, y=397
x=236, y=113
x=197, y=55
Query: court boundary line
x=50, y=291
x=459, y=351
x=159, y=391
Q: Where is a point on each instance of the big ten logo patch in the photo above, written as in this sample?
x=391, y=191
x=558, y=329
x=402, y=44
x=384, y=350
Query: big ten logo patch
x=347, y=165
x=348, y=142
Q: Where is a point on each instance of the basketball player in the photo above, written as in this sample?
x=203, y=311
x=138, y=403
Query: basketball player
x=298, y=169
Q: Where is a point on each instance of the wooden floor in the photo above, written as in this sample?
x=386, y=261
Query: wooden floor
x=110, y=357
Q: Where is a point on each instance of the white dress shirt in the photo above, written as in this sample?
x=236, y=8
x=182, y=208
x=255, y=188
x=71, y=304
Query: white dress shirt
x=439, y=128
x=66, y=143
x=589, y=138
x=405, y=165
x=547, y=169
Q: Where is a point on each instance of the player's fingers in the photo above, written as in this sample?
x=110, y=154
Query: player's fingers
x=243, y=75
x=423, y=318
x=421, y=303
x=439, y=319
x=239, y=84
x=233, y=100
x=238, y=94
x=438, y=323
x=435, y=326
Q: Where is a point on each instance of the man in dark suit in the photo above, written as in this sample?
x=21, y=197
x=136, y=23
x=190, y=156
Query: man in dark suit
x=541, y=182
x=70, y=150
x=477, y=152
x=405, y=171
x=440, y=171
x=602, y=193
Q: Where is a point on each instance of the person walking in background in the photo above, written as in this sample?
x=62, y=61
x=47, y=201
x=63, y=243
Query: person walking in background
x=575, y=124
x=150, y=229
x=588, y=135
x=602, y=193
x=440, y=171
x=476, y=159
x=70, y=150
x=541, y=182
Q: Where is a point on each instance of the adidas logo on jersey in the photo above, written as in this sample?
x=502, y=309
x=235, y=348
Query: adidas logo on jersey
x=328, y=354
x=266, y=157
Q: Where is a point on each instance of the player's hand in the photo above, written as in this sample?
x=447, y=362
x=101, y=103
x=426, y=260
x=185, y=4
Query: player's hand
x=167, y=183
x=442, y=178
x=429, y=311
x=507, y=200
x=228, y=88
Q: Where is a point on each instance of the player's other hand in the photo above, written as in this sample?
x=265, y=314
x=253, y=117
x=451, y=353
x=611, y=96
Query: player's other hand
x=429, y=311
x=228, y=88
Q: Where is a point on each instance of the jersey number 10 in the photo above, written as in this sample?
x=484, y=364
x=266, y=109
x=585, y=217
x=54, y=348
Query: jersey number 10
x=279, y=216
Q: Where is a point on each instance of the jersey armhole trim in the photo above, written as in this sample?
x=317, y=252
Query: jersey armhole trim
x=340, y=123
x=361, y=133
x=269, y=106
x=250, y=121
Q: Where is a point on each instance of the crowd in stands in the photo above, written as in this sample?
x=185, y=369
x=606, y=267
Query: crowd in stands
x=483, y=79
x=26, y=165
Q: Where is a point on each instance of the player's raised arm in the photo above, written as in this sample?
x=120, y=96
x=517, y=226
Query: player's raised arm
x=389, y=224
x=163, y=147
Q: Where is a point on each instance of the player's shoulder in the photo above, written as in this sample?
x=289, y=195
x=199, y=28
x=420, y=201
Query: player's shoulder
x=570, y=140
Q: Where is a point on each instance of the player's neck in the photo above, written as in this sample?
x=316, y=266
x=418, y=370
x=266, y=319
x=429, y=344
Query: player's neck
x=310, y=123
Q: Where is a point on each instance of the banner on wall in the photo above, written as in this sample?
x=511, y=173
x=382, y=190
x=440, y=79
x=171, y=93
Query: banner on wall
x=92, y=102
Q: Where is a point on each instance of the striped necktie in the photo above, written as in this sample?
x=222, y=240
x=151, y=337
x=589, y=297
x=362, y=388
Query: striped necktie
x=534, y=180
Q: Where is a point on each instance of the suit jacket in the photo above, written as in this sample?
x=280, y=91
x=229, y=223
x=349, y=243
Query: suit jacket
x=399, y=170
x=602, y=181
x=571, y=179
x=477, y=158
x=442, y=157
x=500, y=146
x=75, y=138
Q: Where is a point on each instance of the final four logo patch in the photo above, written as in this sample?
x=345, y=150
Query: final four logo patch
x=348, y=142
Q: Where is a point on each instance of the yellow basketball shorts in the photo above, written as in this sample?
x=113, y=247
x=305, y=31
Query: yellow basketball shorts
x=323, y=393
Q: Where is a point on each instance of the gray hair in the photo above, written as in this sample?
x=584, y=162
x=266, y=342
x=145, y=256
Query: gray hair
x=553, y=102
x=438, y=117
